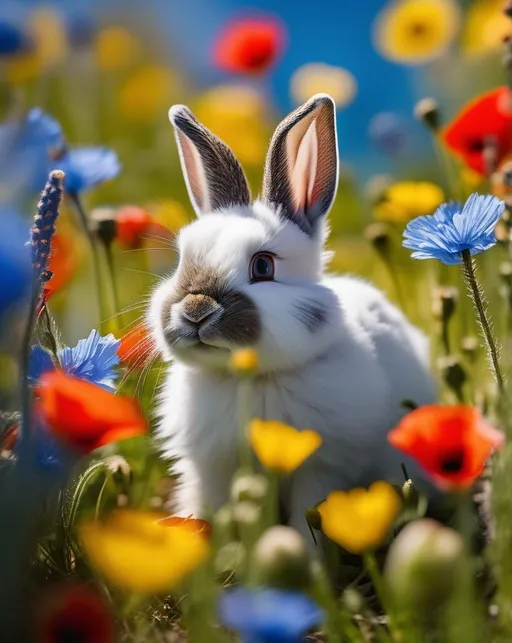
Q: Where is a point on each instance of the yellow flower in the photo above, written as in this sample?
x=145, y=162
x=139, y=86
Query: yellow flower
x=408, y=199
x=137, y=553
x=360, y=519
x=416, y=31
x=316, y=78
x=244, y=360
x=116, y=48
x=237, y=115
x=280, y=447
x=147, y=94
x=485, y=27
x=22, y=69
x=49, y=34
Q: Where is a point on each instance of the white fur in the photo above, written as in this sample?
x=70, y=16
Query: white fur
x=345, y=380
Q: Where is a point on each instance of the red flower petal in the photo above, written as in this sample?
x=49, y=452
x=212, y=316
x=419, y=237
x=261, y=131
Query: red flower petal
x=137, y=347
x=249, y=46
x=452, y=443
x=74, y=612
x=486, y=118
x=84, y=414
x=195, y=525
x=132, y=224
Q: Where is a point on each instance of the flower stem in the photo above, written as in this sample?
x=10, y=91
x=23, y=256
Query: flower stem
x=84, y=220
x=244, y=390
x=477, y=296
x=114, y=293
x=370, y=563
x=25, y=390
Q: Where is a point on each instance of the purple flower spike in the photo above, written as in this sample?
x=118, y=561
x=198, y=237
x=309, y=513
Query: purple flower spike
x=43, y=228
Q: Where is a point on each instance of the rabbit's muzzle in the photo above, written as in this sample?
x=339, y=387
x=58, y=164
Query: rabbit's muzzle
x=197, y=308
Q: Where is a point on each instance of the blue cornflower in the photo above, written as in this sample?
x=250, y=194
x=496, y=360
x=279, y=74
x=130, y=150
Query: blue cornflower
x=25, y=148
x=388, y=132
x=14, y=260
x=268, y=615
x=81, y=29
x=86, y=167
x=93, y=359
x=12, y=39
x=454, y=228
x=43, y=228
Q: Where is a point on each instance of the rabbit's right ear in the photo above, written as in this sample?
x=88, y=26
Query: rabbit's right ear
x=213, y=175
x=301, y=171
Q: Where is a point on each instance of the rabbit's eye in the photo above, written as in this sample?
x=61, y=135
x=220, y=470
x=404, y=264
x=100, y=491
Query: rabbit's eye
x=262, y=267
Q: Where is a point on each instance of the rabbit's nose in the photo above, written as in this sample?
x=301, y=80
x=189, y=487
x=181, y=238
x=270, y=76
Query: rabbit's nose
x=196, y=308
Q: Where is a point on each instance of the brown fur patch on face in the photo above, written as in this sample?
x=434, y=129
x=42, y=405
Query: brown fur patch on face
x=239, y=322
x=197, y=307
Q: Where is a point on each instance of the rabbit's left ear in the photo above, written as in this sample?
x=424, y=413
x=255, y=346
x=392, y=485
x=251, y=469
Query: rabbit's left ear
x=301, y=170
x=214, y=177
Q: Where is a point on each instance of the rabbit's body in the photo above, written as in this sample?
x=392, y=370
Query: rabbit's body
x=335, y=355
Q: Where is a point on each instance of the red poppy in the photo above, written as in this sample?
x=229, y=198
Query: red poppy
x=85, y=415
x=74, y=613
x=249, y=46
x=452, y=443
x=195, y=525
x=487, y=118
x=137, y=347
x=134, y=224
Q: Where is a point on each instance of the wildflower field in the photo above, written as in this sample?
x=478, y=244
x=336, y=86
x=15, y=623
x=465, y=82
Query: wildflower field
x=265, y=419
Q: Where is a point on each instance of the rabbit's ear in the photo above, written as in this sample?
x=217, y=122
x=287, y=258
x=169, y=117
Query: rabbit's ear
x=301, y=170
x=213, y=175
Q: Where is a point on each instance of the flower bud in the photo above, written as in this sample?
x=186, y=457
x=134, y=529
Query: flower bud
x=421, y=565
x=427, y=112
x=378, y=235
x=353, y=601
x=314, y=519
x=281, y=559
x=469, y=346
x=410, y=494
x=244, y=361
x=505, y=271
x=453, y=373
x=249, y=487
x=103, y=224
x=376, y=188
x=444, y=303
x=246, y=513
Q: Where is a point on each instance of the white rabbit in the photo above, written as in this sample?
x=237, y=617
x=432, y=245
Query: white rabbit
x=335, y=355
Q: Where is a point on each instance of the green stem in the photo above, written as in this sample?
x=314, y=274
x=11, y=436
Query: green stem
x=372, y=568
x=25, y=390
x=244, y=415
x=114, y=293
x=84, y=220
x=477, y=296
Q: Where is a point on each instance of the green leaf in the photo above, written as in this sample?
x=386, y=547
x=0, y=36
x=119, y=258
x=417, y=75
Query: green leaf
x=47, y=334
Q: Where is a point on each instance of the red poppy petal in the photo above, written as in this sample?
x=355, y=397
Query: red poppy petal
x=486, y=117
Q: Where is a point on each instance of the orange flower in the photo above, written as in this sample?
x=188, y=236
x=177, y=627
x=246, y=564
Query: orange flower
x=194, y=525
x=134, y=223
x=85, y=415
x=486, y=119
x=74, y=613
x=137, y=347
x=452, y=443
x=249, y=45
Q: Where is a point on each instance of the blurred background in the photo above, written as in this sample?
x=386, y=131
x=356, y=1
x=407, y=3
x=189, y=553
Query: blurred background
x=108, y=72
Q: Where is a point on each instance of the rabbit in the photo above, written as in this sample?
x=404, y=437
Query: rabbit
x=334, y=354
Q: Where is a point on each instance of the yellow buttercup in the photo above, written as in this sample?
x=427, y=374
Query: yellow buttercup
x=360, y=519
x=280, y=447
